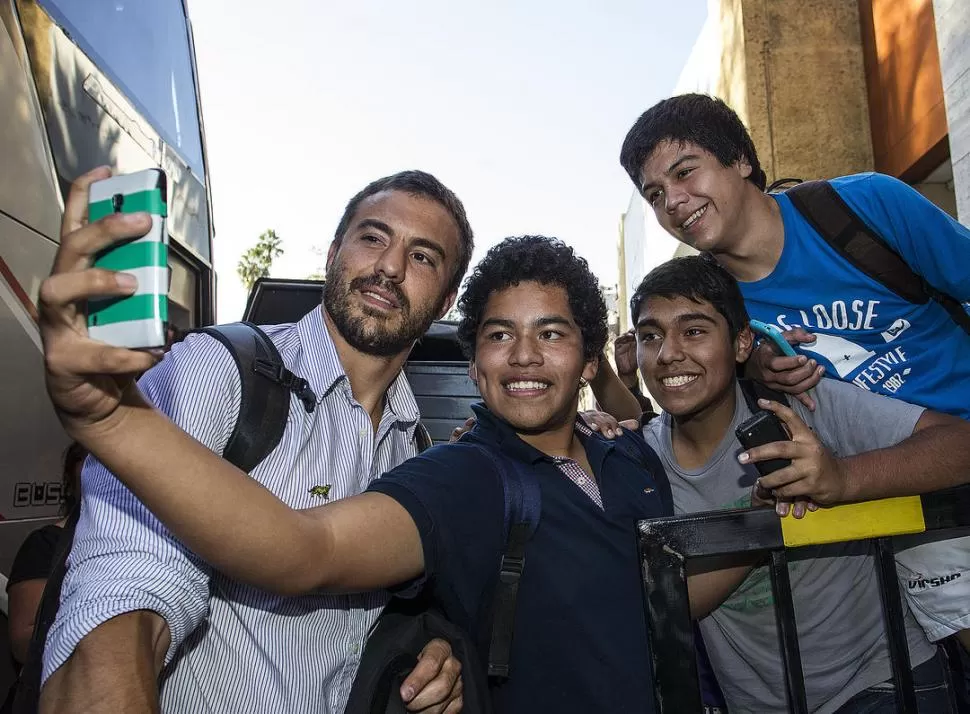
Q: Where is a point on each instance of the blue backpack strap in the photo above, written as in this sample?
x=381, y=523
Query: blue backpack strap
x=523, y=506
x=265, y=387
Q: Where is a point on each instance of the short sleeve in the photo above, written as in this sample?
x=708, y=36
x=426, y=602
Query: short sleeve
x=454, y=496
x=123, y=559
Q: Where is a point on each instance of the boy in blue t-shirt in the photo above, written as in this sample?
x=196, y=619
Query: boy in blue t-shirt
x=694, y=162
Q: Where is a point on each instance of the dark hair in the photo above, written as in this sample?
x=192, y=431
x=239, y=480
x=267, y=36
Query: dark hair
x=419, y=183
x=547, y=261
x=691, y=118
x=700, y=278
x=74, y=456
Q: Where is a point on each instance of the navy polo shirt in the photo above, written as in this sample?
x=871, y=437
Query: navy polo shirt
x=580, y=640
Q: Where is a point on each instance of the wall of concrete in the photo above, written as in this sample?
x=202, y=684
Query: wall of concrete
x=953, y=37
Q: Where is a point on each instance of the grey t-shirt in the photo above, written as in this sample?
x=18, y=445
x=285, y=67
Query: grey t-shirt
x=835, y=591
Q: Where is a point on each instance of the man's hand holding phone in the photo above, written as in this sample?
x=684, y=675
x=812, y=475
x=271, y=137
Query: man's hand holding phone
x=813, y=473
x=87, y=380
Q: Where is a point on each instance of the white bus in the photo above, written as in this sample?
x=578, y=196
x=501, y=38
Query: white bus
x=85, y=83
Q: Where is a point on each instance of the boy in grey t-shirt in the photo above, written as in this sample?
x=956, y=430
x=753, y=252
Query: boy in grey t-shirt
x=692, y=334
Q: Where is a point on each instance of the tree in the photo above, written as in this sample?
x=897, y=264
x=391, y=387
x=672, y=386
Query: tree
x=258, y=260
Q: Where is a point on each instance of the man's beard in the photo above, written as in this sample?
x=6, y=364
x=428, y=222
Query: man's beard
x=370, y=333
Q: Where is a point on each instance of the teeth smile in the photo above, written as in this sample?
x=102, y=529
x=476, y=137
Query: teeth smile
x=375, y=296
x=678, y=381
x=693, y=217
x=525, y=386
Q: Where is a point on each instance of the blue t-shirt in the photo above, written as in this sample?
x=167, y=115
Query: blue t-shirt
x=580, y=639
x=866, y=334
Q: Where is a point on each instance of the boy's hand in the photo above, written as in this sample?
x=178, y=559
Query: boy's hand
x=434, y=686
x=625, y=357
x=86, y=379
x=814, y=472
x=606, y=424
x=791, y=375
x=762, y=498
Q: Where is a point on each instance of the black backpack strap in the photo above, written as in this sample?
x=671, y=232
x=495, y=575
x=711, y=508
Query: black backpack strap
x=841, y=227
x=523, y=506
x=264, y=395
x=754, y=390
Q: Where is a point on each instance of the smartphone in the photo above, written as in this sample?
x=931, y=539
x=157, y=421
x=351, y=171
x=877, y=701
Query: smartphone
x=763, y=428
x=139, y=320
x=772, y=333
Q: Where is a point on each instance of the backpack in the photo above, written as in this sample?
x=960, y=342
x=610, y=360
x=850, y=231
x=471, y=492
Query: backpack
x=264, y=404
x=829, y=214
x=406, y=626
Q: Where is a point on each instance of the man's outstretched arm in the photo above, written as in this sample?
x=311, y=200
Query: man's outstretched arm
x=227, y=518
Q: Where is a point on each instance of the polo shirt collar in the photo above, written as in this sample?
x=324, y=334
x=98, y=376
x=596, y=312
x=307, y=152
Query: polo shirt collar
x=492, y=428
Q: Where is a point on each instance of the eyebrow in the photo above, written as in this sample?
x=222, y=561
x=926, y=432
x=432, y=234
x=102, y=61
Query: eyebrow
x=420, y=242
x=688, y=317
x=544, y=321
x=671, y=169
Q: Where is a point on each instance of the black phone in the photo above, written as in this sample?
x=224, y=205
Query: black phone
x=763, y=428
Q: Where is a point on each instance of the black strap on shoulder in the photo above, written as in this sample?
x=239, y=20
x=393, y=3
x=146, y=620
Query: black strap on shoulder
x=841, y=227
x=265, y=393
x=754, y=390
x=523, y=507
x=422, y=437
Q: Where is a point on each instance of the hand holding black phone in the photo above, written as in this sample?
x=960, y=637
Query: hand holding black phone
x=763, y=428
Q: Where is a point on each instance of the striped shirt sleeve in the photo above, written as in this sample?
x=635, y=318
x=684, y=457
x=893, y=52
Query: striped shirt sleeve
x=123, y=558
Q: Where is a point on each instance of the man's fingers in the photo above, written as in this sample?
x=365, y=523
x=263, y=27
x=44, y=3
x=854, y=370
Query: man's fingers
x=791, y=370
x=432, y=678
x=90, y=357
x=806, y=399
x=631, y=424
x=61, y=290
x=79, y=248
x=798, y=335
x=796, y=427
x=766, y=452
x=76, y=207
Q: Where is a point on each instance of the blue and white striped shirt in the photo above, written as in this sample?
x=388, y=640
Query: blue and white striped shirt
x=235, y=648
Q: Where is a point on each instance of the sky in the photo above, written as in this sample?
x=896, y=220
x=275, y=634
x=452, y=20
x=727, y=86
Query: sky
x=520, y=107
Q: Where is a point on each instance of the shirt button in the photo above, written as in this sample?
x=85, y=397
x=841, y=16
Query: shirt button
x=581, y=480
x=363, y=433
x=355, y=648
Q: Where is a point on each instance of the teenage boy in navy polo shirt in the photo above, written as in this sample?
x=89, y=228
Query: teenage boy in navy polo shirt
x=535, y=322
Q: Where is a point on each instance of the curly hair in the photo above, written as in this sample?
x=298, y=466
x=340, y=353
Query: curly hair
x=696, y=119
x=547, y=261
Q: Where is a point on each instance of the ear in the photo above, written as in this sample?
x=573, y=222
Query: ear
x=591, y=368
x=473, y=371
x=743, y=345
x=744, y=167
x=332, y=253
x=446, y=304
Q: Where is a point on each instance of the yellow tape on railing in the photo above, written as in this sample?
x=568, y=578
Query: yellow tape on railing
x=855, y=521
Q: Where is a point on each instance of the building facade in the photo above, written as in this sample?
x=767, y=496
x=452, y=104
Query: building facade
x=828, y=88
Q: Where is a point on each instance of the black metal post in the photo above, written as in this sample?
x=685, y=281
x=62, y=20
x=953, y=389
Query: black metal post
x=892, y=613
x=675, y=684
x=787, y=632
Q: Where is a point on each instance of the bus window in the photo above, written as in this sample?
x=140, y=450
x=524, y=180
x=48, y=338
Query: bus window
x=144, y=48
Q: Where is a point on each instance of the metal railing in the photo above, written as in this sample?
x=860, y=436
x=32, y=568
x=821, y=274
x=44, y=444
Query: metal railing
x=666, y=544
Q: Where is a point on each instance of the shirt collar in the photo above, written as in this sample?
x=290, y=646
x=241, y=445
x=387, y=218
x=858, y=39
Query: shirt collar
x=492, y=428
x=320, y=365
